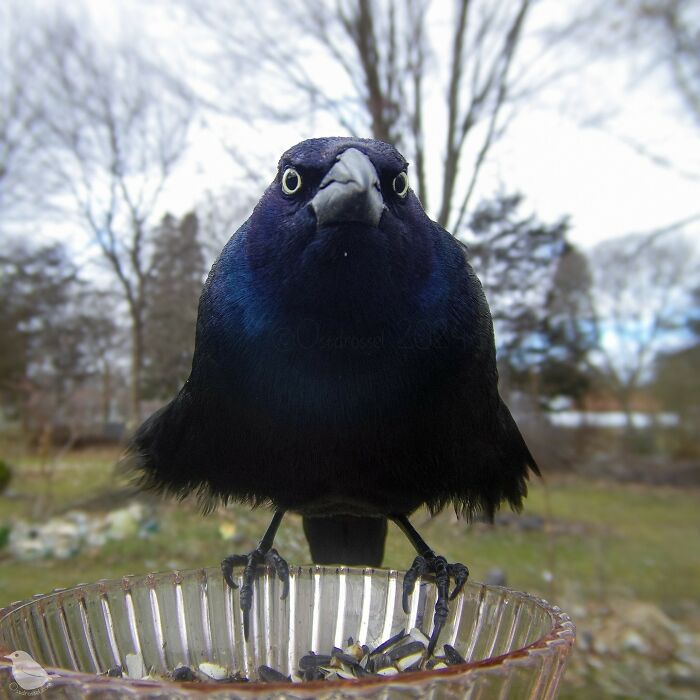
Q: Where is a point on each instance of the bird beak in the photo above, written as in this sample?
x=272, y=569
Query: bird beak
x=349, y=192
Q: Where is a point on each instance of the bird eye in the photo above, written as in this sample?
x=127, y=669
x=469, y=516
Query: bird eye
x=291, y=181
x=400, y=184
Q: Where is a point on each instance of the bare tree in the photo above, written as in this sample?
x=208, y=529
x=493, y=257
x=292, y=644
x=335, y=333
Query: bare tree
x=220, y=213
x=657, y=40
x=121, y=127
x=665, y=34
x=642, y=287
x=388, y=73
x=23, y=175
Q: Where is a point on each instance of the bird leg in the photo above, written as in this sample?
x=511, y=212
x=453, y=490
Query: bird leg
x=429, y=562
x=263, y=554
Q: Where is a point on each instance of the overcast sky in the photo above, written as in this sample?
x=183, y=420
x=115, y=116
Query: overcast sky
x=562, y=167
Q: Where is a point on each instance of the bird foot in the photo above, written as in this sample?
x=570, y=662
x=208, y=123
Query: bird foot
x=250, y=562
x=437, y=565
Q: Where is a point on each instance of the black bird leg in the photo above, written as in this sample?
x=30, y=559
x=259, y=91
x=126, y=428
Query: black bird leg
x=428, y=561
x=263, y=554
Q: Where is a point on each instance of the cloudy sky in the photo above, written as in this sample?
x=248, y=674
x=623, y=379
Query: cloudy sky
x=552, y=153
x=564, y=165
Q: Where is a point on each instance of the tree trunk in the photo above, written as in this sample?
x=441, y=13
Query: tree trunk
x=136, y=366
x=106, y=394
x=630, y=431
x=627, y=410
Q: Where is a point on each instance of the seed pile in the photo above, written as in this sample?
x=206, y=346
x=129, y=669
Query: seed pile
x=404, y=652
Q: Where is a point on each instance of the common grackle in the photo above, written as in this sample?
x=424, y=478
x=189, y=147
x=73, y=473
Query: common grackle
x=344, y=369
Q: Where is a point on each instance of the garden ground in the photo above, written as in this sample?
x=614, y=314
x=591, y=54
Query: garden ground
x=623, y=560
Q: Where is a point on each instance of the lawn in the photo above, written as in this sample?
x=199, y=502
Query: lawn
x=589, y=547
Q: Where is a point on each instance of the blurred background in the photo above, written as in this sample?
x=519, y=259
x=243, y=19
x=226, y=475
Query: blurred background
x=559, y=140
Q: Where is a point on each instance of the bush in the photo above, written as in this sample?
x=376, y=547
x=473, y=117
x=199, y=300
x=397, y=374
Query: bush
x=4, y=535
x=5, y=475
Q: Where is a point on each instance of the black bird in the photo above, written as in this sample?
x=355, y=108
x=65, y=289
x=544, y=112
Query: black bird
x=344, y=369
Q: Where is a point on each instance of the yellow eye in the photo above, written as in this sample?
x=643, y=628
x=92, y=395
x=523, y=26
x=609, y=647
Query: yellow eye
x=291, y=181
x=400, y=184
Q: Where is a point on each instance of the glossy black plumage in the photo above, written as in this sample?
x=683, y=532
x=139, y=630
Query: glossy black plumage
x=342, y=369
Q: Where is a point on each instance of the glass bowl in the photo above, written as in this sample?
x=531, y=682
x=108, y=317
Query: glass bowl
x=515, y=645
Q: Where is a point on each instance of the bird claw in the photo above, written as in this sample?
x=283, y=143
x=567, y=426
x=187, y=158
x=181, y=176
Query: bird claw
x=437, y=565
x=460, y=574
x=250, y=562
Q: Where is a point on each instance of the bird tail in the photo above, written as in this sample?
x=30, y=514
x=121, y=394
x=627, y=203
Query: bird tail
x=346, y=539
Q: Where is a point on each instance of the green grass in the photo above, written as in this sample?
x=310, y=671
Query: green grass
x=600, y=542
x=599, y=539
x=40, y=490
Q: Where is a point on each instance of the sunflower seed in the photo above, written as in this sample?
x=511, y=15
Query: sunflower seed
x=313, y=674
x=387, y=671
x=270, y=675
x=375, y=662
x=405, y=650
x=344, y=659
x=345, y=675
x=410, y=660
x=237, y=677
x=416, y=666
x=417, y=636
x=218, y=673
x=388, y=643
x=134, y=666
x=183, y=674
x=452, y=656
x=354, y=650
x=313, y=661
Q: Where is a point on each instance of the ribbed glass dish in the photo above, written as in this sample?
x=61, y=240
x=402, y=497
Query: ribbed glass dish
x=515, y=645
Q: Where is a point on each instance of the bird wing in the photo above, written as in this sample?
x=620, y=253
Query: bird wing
x=489, y=462
x=31, y=669
x=186, y=445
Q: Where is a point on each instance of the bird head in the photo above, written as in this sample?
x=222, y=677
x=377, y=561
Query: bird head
x=18, y=656
x=340, y=217
x=341, y=181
